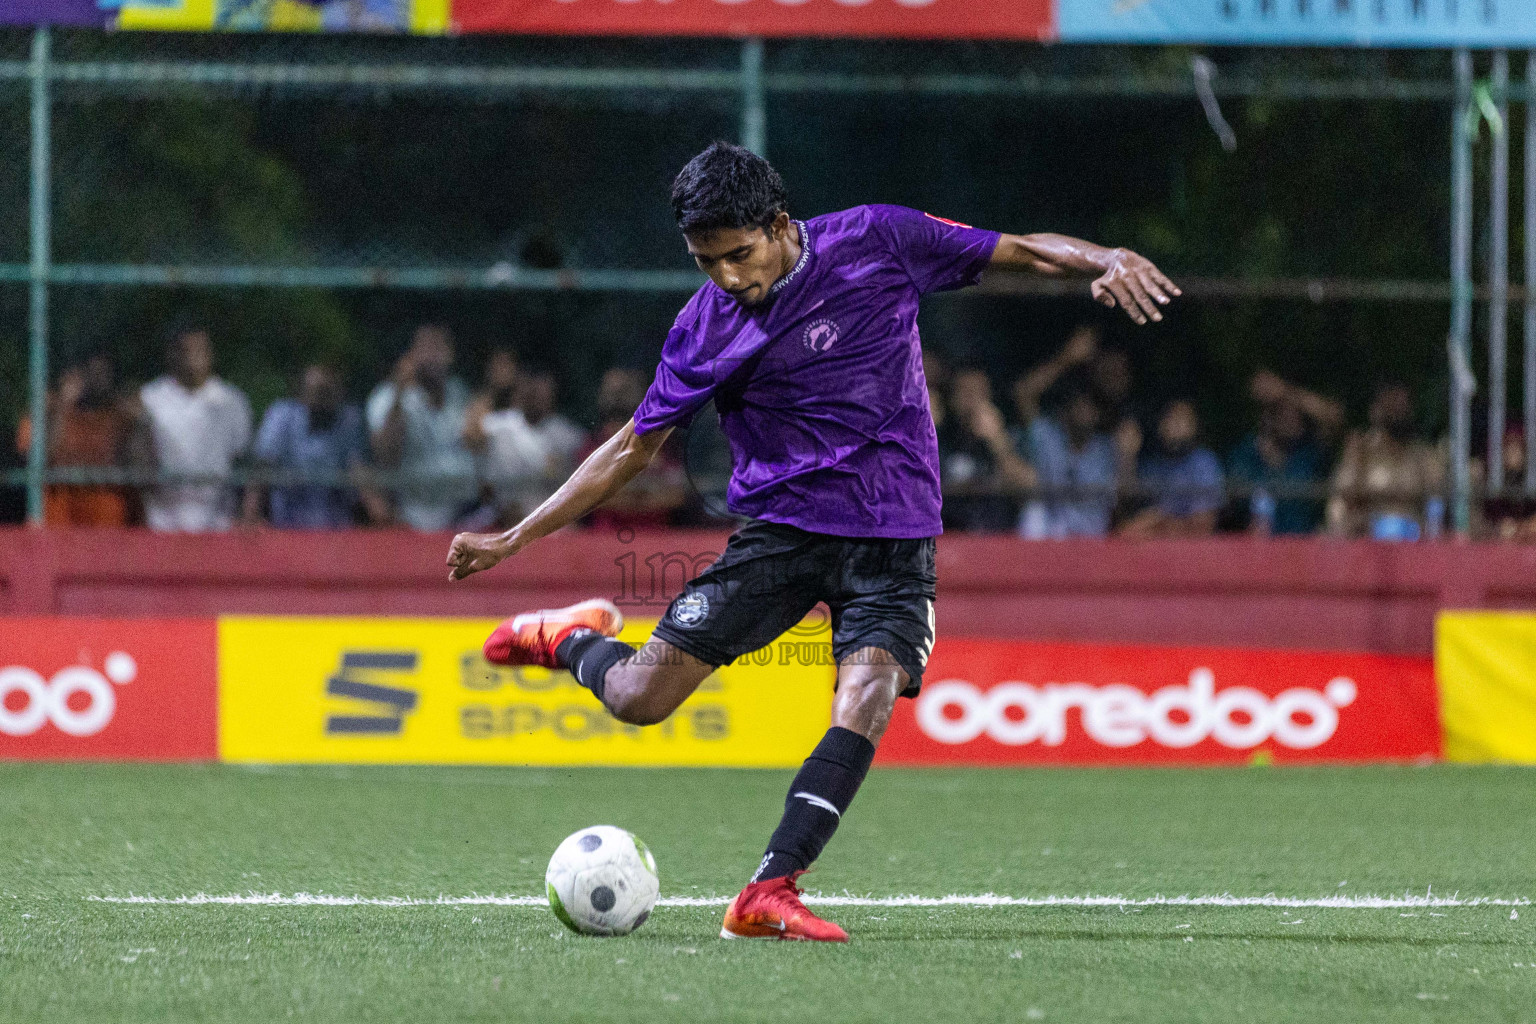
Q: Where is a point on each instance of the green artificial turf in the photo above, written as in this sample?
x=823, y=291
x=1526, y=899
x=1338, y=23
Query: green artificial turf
x=71, y=832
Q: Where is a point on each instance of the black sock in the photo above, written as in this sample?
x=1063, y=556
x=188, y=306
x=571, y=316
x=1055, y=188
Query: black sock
x=589, y=655
x=821, y=792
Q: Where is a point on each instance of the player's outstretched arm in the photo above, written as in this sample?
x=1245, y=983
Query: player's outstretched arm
x=603, y=475
x=1121, y=277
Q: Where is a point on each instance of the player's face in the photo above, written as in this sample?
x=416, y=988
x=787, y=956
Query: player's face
x=743, y=261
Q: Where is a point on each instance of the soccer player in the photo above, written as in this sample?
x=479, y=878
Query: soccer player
x=806, y=339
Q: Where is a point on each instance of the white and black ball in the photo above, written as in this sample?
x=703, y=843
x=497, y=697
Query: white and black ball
x=602, y=881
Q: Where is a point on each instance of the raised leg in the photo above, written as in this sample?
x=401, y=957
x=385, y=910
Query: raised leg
x=647, y=686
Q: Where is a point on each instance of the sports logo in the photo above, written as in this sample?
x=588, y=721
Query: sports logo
x=821, y=335
x=78, y=700
x=690, y=609
x=955, y=711
x=358, y=680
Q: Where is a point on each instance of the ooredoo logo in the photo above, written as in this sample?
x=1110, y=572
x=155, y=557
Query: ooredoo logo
x=955, y=711
x=78, y=700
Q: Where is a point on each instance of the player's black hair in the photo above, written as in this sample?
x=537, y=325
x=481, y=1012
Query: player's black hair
x=727, y=186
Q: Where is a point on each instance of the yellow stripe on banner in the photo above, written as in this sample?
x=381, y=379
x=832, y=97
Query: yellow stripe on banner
x=418, y=691
x=429, y=17
x=1486, y=666
x=160, y=15
x=425, y=17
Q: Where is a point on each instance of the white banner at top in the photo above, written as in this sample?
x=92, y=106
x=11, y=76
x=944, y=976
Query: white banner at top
x=1402, y=23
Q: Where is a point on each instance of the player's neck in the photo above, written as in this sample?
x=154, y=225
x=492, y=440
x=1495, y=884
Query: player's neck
x=793, y=244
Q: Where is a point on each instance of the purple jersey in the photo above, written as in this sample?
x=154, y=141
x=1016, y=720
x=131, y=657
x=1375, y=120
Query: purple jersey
x=820, y=390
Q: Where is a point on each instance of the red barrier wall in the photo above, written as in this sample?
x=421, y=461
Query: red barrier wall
x=1309, y=594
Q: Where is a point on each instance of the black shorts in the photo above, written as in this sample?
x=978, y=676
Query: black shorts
x=771, y=575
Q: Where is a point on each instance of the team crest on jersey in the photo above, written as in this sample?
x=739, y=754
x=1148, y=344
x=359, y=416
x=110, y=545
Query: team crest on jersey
x=821, y=335
x=690, y=609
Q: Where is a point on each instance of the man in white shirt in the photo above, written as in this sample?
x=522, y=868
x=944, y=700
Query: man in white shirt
x=416, y=420
x=560, y=437
x=199, y=426
x=525, y=447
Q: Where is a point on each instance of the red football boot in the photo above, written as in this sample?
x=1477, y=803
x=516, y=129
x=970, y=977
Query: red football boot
x=772, y=909
x=531, y=638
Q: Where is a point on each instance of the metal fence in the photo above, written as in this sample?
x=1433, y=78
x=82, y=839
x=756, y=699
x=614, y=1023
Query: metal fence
x=727, y=88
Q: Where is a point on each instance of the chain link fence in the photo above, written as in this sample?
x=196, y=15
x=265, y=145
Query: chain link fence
x=317, y=198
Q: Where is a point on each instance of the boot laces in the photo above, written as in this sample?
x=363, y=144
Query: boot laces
x=789, y=895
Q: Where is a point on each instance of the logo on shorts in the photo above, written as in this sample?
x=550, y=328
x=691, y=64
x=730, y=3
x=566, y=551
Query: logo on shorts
x=690, y=609
x=821, y=335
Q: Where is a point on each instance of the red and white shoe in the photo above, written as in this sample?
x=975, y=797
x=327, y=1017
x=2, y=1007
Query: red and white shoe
x=772, y=909
x=531, y=638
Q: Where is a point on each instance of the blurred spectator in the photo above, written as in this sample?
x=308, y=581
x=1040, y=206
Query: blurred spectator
x=199, y=426
x=1512, y=515
x=416, y=420
x=1183, y=477
x=1387, y=484
x=976, y=453
x=1030, y=390
x=90, y=426
x=1108, y=382
x=1078, y=468
x=525, y=447
x=511, y=459
x=654, y=498
x=1289, y=450
x=561, y=438
x=317, y=434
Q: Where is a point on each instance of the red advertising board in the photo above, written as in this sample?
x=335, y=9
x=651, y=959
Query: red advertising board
x=137, y=689
x=1005, y=702
x=910, y=19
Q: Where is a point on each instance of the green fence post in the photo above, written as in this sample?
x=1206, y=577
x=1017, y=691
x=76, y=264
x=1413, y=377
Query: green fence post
x=37, y=459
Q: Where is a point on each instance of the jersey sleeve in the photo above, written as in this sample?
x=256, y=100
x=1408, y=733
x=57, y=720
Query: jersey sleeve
x=683, y=385
x=938, y=254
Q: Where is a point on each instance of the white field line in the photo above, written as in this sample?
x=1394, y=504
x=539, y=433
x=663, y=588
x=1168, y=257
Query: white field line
x=305, y=899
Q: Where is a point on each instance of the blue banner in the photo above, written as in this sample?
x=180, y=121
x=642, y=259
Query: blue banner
x=52, y=12
x=1406, y=23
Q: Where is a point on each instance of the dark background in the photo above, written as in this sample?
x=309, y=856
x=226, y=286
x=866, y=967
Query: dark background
x=1315, y=189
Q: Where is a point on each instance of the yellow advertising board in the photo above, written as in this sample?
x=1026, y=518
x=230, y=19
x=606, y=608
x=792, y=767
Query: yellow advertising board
x=422, y=17
x=1486, y=666
x=418, y=691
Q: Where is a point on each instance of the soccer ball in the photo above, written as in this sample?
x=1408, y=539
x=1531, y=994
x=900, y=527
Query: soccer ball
x=602, y=881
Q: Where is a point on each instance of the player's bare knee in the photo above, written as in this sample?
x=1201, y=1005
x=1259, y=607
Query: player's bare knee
x=637, y=708
x=871, y=691
x=634, y=695
x=628, y=700
x=868, y=683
